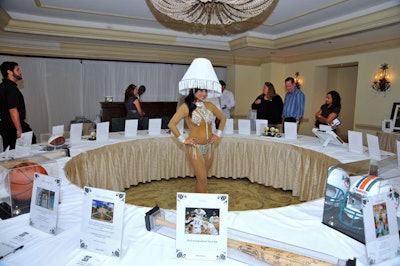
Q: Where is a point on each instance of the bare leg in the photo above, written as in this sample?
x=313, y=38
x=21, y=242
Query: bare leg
x=201, y=164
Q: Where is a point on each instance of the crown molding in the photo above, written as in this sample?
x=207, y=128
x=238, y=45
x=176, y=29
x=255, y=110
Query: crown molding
x=4, y=18
x=367, y=22
x=345, y=52
x=81, y=50
x=29, y=27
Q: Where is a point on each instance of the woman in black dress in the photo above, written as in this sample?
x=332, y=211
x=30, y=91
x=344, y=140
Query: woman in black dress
x=269, y=105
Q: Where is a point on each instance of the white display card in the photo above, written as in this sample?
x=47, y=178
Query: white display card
x=102, y=130
x=325, y=127
x=23, y=145
x=373, y=147
x=12, y=245
x=290, y=130
x=228, y=126
x=260, y=125
x=244, y=126
x=44, y=203
x=75, y=133
x=380, y=226
x=355, y=139
x=155, y=126
x=57, y=130
x=131, y=126
x=83, y=257
x=102, y=221
x=201, y=227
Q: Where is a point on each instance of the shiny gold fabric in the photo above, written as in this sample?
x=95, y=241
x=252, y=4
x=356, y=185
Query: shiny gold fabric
x=280, y=165
x=387, y=141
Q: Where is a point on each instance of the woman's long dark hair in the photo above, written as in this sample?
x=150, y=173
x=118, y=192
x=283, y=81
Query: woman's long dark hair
x=129, y=91
x=336, y=102
x=190, y=101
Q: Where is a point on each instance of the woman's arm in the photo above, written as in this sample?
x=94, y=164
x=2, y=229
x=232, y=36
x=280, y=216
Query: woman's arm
x=326, y=120
x=138, y=107
x=256, y=102
x=181, y=113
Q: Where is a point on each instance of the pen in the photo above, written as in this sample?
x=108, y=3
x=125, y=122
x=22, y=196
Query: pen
x=18, y=248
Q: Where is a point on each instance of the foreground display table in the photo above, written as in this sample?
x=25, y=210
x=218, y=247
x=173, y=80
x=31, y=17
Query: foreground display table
x=298, y=225
x=298, y=165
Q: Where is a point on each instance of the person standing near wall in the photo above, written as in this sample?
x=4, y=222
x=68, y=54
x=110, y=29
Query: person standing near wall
x=12, y=106
x=328, y=111
x=141, y=91
x=227, y=100
x=293, y=106
x=132, y=104
x=269, y=105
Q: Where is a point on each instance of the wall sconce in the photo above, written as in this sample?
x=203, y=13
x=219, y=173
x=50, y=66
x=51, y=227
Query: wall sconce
x=381, y=80
x=297, y=80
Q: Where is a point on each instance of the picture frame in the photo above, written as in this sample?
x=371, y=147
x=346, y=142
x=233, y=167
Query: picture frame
x=395, y=116
x=201, y=227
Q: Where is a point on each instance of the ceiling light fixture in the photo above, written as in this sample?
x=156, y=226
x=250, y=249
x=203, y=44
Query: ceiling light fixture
x=211, y=12
x=381, y=80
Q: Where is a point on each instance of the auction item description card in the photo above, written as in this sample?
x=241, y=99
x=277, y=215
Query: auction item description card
x=201, y=228
x=380, y=226
x=44, y=203
x=102, y=221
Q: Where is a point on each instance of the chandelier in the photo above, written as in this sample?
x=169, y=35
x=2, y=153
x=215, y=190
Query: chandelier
x=211, y=12
x=381, y=80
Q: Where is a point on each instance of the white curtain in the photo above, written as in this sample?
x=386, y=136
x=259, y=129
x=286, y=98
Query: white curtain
x=57, y=90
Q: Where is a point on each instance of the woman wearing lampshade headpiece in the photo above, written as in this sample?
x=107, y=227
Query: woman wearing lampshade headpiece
x=198, y=83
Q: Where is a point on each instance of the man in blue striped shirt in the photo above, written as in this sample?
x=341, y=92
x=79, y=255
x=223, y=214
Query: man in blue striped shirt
x=293, y=106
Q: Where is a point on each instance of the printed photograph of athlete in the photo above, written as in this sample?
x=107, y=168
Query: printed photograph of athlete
x=203, y=221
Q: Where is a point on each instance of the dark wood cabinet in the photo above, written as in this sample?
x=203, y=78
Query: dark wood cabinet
x=151, y=109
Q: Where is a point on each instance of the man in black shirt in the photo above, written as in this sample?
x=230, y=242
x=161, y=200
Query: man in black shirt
x=12, y=106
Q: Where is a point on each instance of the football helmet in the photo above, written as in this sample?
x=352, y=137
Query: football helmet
x=365, y=186
x=337, y=186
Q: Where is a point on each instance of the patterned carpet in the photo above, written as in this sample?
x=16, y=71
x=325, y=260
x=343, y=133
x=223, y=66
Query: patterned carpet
x=243, y=195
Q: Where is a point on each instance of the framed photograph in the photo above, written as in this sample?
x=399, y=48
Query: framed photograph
x=395, y=116
x=102, y=221
x=201, y=231
x=380, y=226
x=44, y=203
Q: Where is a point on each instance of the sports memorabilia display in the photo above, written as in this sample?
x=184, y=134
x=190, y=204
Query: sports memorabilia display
x=16, y=180
x=248, y=248
x=347, y=192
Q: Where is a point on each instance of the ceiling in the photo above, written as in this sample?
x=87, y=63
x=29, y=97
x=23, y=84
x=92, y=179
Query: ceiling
x=290, y=28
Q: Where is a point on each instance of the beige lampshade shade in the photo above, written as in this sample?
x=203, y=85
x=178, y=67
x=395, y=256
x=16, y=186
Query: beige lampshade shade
x=200, y=75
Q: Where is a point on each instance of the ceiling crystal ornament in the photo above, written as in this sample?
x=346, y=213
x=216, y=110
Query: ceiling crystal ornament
x=211, y=12
x=381, y=80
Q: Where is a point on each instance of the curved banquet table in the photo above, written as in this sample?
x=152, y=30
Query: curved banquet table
x=298, y=165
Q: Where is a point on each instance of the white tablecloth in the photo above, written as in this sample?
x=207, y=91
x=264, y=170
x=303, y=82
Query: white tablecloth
x=298, y=225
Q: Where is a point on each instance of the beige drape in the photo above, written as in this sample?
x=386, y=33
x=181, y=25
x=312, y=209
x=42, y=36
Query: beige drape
x=280, y=165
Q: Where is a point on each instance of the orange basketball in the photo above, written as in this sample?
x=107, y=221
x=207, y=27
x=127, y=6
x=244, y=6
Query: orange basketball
x=21, y=179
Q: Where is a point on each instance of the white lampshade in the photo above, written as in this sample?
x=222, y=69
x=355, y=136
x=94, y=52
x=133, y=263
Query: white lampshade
x=200, y=75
